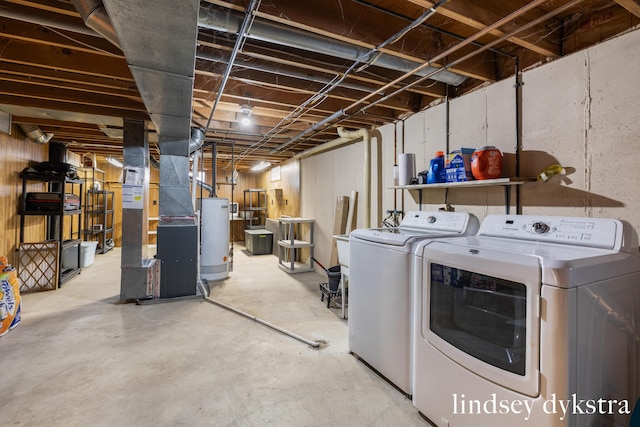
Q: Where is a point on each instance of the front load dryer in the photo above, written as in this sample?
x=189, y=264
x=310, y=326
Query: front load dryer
x=533, y=321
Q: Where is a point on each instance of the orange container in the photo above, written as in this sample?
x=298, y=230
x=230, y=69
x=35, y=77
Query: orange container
x=486, y=163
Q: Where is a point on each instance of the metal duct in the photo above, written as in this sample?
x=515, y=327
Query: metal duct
x=35, y=134
x=19, y=15
x=204, y=185
x=95, y=17
x=159, y=42
x=197, y=139
x=274, y=33
x=216, y=57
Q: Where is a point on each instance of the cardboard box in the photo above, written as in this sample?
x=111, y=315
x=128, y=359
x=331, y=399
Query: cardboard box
x=458, y=165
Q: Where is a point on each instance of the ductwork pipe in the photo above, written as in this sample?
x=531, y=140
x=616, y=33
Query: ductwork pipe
x=95, y=17
x=7, y=12
x=195, y=143
x=35, y=134
x=299, y=39
x=197, y=139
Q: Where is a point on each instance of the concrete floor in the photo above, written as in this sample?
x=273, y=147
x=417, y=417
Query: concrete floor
x=80, y=358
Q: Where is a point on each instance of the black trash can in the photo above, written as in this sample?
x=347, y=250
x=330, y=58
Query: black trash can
x=334, y=277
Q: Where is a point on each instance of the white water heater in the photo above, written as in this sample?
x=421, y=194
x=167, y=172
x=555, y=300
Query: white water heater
x=214, y=243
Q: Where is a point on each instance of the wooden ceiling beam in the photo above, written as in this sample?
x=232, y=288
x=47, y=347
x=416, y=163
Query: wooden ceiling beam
x=55, y=58
x=633, y=6
x=363, y=30
x=71, y=96
x=280, y=58
x=48, y=6
x=81, y=88
x=477, y=17
x=126, y=87
x=55, y=104
x=270, y=101
x=38, y=34
x=429, y=51
x=288, y=90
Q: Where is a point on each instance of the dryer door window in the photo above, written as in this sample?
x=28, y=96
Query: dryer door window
x=482, y=315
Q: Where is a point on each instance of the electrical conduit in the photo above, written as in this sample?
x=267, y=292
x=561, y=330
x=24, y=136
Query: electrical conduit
x=314, y=344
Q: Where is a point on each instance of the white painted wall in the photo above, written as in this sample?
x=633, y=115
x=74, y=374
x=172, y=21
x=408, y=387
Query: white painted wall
x=323, y=178
x=581, y=111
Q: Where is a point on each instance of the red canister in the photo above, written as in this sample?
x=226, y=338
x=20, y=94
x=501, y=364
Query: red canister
x=486, y=163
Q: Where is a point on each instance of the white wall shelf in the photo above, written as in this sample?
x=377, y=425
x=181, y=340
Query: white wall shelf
x=416, y=190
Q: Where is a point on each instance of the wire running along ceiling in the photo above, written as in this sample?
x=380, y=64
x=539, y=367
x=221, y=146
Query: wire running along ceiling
x=303, y=68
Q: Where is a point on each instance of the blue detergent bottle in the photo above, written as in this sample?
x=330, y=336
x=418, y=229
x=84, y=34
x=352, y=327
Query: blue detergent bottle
x=436, y=171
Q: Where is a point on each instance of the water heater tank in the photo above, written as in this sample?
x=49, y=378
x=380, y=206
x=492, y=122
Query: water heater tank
x=214, y=243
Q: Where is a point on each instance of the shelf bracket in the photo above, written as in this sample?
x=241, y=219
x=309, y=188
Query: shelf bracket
x=507, y=199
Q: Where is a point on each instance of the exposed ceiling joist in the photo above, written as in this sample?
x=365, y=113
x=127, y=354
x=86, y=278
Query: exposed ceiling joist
x=58, y=74
x=632, y=6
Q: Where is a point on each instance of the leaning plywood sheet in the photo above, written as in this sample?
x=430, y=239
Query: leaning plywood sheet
x=339, y=225
x=38, y=266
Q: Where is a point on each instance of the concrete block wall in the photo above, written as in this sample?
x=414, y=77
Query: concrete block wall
x=581, y=111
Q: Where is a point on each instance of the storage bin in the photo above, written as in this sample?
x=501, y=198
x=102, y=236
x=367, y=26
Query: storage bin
x=87, y=255
x=258, y=242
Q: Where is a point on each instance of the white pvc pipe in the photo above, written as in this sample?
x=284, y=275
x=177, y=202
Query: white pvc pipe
x=366, y=139
x=336, y=143
x=348, y=137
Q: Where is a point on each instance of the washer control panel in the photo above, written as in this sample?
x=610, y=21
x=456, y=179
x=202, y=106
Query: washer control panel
x=460, y=222
x=591, y=232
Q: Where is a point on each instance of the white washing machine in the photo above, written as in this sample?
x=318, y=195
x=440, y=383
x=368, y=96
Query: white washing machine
x=380, y=295
x=533, y=321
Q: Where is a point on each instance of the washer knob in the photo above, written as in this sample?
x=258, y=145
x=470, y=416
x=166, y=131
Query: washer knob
x=539, y=228
x=431, y=219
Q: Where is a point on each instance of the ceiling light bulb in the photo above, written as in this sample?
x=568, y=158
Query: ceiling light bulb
x=114, y=162
x=260, y=166
x=246, y=112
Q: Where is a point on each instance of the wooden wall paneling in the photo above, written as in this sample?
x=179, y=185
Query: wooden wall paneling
x=113, y=182
x=154, y=212
x=111, y=173
x=17, y=153
x=283, y=194
x=116, y=187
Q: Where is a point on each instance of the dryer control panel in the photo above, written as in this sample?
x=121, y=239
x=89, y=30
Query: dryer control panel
x=591, y=232
x=459, y=222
